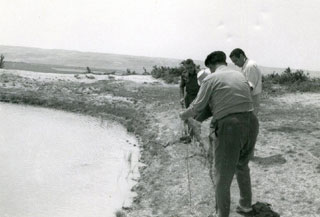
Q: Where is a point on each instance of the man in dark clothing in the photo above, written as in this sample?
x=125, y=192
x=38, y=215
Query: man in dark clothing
x=189, y=88
x=234, y=128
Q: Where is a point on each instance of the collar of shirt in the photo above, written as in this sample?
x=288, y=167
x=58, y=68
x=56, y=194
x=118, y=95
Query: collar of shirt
x=245, y=64
x=220, y=68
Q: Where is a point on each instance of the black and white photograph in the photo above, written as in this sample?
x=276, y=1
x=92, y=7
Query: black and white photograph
x=159, y=108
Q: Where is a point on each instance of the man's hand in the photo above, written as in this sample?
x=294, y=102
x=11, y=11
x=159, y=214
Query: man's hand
x=187, y=113
x=182, y=115
x=182, y=102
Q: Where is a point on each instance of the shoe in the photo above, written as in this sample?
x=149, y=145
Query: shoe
x=244, y=211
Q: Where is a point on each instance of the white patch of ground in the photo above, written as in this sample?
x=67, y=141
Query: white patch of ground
x=112, y=98
x=69, y=70
x=87, y=78
x=137, y=78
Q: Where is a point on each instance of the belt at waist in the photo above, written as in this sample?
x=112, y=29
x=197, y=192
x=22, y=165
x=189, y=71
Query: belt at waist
x=214, y=122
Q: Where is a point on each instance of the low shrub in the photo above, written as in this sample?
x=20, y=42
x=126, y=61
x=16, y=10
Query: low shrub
x=312, y=85
x=287, y=77
x=169, y=74
x=292, y=81
x=129, y=72
x=2, y=61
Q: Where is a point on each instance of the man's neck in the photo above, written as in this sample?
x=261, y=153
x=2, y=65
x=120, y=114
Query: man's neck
x=220, y=65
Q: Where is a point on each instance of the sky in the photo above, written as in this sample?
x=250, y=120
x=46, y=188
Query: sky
x=275, y=33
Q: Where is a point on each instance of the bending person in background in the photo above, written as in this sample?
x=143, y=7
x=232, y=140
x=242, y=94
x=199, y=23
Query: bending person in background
x=252, y=73
x=189, y=88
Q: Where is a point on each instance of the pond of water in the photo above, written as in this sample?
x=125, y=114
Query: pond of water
x=59, y=164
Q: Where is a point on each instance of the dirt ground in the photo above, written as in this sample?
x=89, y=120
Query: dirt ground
x=285, y=171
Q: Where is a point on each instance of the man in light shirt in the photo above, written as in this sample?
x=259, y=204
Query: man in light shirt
x=234, y=126
x=252, y=73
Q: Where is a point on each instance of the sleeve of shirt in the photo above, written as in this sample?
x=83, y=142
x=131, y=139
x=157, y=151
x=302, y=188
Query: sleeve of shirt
x=182, y=82
x=204, y=115
x=253, y=76
x=201, y=101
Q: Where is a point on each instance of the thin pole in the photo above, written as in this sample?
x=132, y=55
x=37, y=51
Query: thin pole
x=189, y=187
x=184, y=130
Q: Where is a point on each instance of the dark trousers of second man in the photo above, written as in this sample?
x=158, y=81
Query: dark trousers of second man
x=236, y=136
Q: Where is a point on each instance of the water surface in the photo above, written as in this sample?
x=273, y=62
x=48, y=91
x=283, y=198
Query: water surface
x=59, y=164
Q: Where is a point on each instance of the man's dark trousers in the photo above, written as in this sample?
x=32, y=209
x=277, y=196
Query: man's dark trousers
x=236, y=136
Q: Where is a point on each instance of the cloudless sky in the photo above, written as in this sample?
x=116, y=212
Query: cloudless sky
x=276, y=33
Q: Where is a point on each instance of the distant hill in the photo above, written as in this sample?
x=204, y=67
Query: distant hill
x=68, y=58
x=67, y=61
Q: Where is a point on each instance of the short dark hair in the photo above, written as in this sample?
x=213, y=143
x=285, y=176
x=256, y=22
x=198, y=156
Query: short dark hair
x=237, y=52
x=215, y=57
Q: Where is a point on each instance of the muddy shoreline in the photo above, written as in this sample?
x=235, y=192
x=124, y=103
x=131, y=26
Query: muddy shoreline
x=285, y=173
